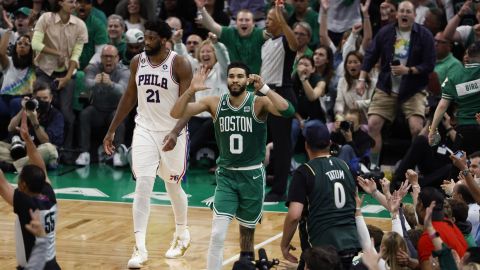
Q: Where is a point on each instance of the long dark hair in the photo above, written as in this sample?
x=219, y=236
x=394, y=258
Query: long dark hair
x=327, y=73
x=349, y=78
x=22, y=62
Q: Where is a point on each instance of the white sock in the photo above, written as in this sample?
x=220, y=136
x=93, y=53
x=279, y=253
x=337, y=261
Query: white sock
x=215, y=249
x=179, y=201
x=141, y=210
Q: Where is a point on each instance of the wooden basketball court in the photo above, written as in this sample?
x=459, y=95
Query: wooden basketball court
x=95, y=234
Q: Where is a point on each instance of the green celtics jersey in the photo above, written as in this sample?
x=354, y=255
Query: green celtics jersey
x=241, y=137
x=331, y=205
x=462, y=86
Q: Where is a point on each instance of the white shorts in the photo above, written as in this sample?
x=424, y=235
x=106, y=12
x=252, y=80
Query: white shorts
x=148, y=159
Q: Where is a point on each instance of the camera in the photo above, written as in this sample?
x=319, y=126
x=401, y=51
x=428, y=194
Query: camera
x=17, y=148
x=374, y=175
x=346, y=125
x=262, y=263
x=31, y=104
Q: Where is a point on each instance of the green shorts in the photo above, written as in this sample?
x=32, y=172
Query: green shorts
x=240, y=194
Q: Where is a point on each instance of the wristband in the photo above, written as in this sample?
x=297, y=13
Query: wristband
x=374, y=192
x=264, y=90
x=361, y=79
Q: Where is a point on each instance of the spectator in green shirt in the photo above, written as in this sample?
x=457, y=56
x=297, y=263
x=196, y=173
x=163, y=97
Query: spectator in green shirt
x=446, y=62
x=303, y=34
x=97, y=33
x=116, y=30
x=303, y=13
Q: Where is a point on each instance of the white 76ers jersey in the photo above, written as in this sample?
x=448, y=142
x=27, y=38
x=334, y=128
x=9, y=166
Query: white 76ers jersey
x=157, y=93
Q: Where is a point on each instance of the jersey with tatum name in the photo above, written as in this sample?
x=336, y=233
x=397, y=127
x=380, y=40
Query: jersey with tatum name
x=240, y=135
x=47, y=204
x=157, y=93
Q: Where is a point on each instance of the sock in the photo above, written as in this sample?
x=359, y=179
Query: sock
x=375, y=159
x=215, y=249
x=141, y=210
x=179, y=201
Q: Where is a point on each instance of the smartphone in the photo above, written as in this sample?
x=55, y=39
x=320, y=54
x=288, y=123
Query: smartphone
x=395, y=62
x=459, y=154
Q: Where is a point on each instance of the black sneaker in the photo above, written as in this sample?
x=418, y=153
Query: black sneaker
x=274, y=197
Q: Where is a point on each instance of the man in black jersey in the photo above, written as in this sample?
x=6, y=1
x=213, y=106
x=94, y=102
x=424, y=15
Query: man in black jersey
x=34, y=192
x=321, y=200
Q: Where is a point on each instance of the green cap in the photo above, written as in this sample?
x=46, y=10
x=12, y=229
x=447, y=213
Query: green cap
x=24, y=10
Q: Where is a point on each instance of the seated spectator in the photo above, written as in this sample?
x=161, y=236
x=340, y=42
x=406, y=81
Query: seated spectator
x=461, y=193
x=459, y=217
x=19, y=74
x=135, y=43
x=448, y=232
x=355, y=144
x=347, y=96
x=116, y=31
x=20, y=26
x=213, y=55
x=107, y=82
x=45, y=124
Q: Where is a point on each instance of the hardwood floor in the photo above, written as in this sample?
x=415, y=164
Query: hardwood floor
x=96, y=235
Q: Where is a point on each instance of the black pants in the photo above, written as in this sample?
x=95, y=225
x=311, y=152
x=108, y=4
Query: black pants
x=432, y=166
x=468, y=138
x=280, y=129
x=90, y=118
x=62, y=99
x=201, y=131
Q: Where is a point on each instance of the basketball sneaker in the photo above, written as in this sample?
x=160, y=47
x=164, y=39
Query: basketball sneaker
x=138, y=259
x=179, y=245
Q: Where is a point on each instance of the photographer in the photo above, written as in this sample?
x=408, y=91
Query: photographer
x=45, y=125
x=354, y=143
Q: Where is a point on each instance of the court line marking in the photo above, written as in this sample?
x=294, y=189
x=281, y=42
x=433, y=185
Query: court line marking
x=264, y=243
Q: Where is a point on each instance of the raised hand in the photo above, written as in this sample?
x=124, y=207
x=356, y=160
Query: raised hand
x=325, y=4
x=359, y=200
x=465, y=8
x=356, y=28
x=364, y=7
x=23, y=129
x=177, y=36
x=460, y=163
x=403, y=190
x=198, y=80
x=367, y=185
x=385, y=183
x=35, y=226
x=256, y=80
x=200, y=3
x=412, y=177
x=212, y=37
x=447, y=186
x=394, y=202
x=427, y=222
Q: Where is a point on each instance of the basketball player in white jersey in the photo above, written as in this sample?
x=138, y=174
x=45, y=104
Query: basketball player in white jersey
x=158, y=77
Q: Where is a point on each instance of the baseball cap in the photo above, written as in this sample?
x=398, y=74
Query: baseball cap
x=316, y=134
x=24, y=10
x=134, y=36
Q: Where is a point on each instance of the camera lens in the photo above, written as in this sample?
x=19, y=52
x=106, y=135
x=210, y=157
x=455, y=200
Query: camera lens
x=31, y=104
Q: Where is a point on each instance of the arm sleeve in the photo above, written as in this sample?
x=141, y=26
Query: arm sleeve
x=120, y=86
x=349, y=45
x=37, y=257
x=77, y=51
x=363, y=234
x=339, y=107
x=397, y=226
x=221, y=53
x=37, y=41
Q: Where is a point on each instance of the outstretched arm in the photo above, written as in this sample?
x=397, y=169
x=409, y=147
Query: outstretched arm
x=126, y=104
x=273, y=103
x=207, y=20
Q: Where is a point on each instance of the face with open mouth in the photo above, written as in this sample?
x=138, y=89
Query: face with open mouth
x=405, y=15
x=23, y=46
x=109, y=58
x=21, y=23
x=353, y=65
x=245, y=23
x=83, y=9
x=207, y=55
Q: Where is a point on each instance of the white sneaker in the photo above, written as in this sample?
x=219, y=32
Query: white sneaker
x=179, y=246
x=83, y=159
x=120, y=156
x=138, y=259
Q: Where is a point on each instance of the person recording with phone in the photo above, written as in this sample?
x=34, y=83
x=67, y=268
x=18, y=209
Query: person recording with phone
x=45, y=124
x=354, y=143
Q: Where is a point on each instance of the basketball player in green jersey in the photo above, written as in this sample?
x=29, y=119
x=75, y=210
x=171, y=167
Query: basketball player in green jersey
x=321, y=198
x=239, y=119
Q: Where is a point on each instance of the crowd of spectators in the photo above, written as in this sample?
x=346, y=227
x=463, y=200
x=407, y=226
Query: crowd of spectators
x=365, y=68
